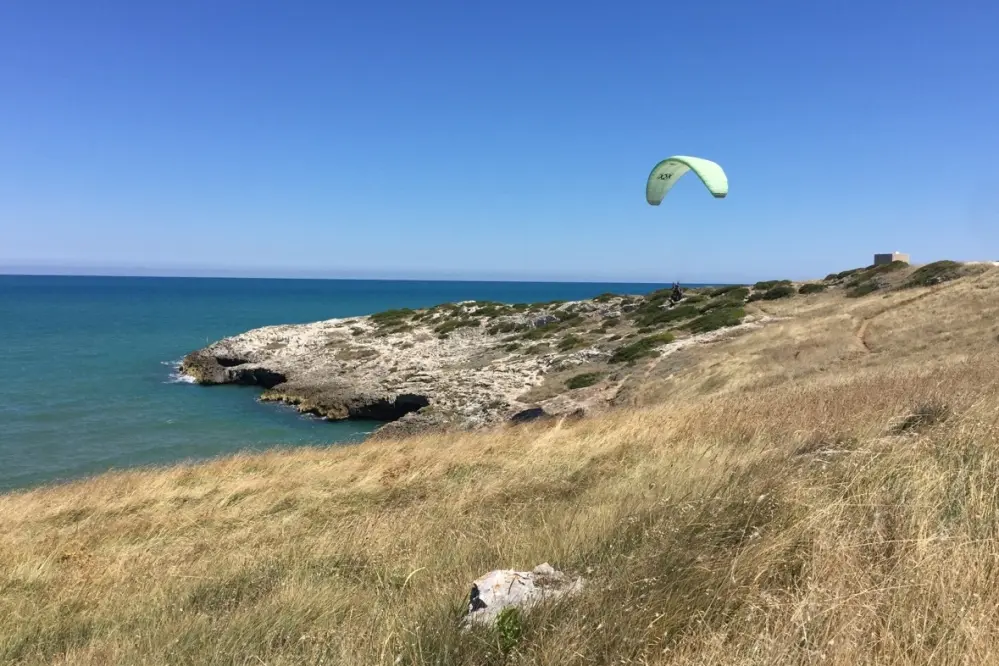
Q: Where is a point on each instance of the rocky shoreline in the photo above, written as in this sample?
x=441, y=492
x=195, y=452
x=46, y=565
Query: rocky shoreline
x=467, y=365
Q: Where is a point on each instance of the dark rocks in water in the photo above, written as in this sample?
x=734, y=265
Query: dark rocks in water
x=528, y=415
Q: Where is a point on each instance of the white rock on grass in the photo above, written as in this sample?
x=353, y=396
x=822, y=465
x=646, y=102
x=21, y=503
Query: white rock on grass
x=505, y=588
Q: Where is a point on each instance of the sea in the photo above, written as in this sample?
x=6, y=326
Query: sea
x=88, y=365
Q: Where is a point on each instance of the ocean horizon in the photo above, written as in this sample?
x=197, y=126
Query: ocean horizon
x=90, y=363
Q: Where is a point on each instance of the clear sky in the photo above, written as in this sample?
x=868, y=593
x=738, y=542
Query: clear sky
x=495, y=139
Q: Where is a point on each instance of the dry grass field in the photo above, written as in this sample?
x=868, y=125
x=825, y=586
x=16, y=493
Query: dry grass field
x=821, y=490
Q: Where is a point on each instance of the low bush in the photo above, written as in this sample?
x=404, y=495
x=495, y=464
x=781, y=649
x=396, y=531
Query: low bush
x=570, y=342
x=935, y=273
x=780, y=291
x=720, y=291
x=656, y=316
x=640, y=348
x=391, y=317
x=862, y=289
x=454, y=324
x=769, y=284
x=732, y=298
x=812, y=288
x=583, y=380
x=715, y=319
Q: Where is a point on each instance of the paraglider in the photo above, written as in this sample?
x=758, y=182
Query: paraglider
x=671, y=169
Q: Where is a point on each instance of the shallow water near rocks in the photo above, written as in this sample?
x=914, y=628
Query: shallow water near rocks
x=88, y=364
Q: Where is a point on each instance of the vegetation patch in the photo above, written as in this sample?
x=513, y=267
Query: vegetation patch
x=583, y=380
x=732, y=298
x=640, y=348
x=769, y=284
x=842, y=275
x=863, y=289
x=727, y=289
x=391, y=317
x=922, y=417
x=490, y=309
x=506, y=327
x=454, y=324
x=657, y=315
x=773, y=293
x=539, y=332
x=715, y=319
x=812, y=288
x=393, y=330
x=604, y=298
x=935, y=273
x=570, y=342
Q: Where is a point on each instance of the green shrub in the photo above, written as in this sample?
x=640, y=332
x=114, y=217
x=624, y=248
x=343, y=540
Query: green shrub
x=540, y=332
x=935, y=273
x=454, y=324
x=720, y=291
x=510, y=628
x=504, y=327
x=715, y=319
x=769, y=284
x=603, y=298
x=780, y=291
x=656, y=315
x=570, y=342
x=892, y=267
x=695, y=298
x=610, y=323
x=640, y=348
x=845, y=274
x=811, y=288
x=863, y=289
x=491, y=311
x=583, y=380
x=391, y=317
x=732, y=298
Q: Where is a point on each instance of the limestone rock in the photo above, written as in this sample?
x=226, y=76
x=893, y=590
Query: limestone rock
x=505, y=588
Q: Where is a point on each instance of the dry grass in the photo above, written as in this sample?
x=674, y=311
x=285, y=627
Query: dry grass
x=846, y=517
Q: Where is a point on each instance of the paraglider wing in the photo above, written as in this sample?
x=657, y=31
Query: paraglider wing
x=667, y=172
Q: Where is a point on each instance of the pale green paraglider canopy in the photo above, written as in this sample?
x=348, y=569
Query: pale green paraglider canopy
x=667, y=172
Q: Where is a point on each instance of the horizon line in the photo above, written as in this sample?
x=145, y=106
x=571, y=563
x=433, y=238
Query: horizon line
x=235, y=274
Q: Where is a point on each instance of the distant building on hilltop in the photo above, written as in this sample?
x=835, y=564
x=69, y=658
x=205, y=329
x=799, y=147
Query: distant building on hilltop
x=881, y=259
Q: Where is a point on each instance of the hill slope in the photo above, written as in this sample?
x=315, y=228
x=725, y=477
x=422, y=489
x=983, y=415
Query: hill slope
x=818, y=490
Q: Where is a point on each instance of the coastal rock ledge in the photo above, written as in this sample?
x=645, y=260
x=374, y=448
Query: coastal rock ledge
x=459, y=366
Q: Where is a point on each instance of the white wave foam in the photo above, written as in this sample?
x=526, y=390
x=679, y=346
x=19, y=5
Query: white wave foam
x=176, y=376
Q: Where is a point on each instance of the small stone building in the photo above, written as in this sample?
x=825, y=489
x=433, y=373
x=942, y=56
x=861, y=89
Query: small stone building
x=881, y=259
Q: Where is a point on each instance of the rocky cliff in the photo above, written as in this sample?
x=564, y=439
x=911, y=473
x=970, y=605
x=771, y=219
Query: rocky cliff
x=467, y=365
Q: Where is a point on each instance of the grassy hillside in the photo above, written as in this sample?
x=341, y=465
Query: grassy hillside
x=818, y=490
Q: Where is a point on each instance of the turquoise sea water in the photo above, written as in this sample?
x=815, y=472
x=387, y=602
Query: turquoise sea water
x=87, y=364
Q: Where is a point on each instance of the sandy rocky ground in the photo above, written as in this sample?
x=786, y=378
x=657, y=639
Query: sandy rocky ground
x=418, y=380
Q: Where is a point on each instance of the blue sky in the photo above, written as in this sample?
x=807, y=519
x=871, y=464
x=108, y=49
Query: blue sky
x=494, y=140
